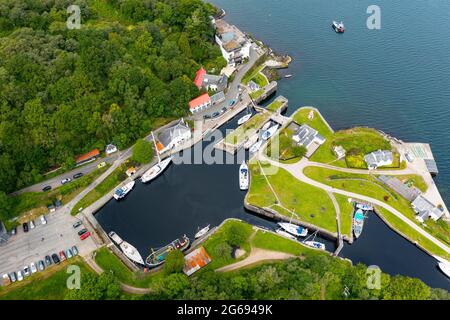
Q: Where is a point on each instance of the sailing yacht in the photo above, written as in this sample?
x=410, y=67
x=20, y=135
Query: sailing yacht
x=156, y=170
x=315, y=244
x=285, y=234
x=254, y=148
x=269, y=132
x=244, y=119
x=202, y=232
x=243, y=176
x=293, y=229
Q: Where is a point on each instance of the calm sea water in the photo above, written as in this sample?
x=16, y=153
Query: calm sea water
x=396, y=79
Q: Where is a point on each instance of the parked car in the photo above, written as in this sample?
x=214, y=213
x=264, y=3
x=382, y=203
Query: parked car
x=75, y=250
x=47, y=188
x=66, y=180
x=32, y=224
x=101, y=164
x=19, y=275
x=25, y=227
x=231, y=102
x=207, y=116
x=85, y=235
x=26, y=271
x=82, y=231
x=55, y=258
x=43, y=220
x=77, y=224
x=33, y=267
x=77, y=175
x=6, y=281
x=62, y=255
x=13, y=276
x=215, y=114
x=224, y=109
x=41, y=265
x=69, y=253
x=48, y=261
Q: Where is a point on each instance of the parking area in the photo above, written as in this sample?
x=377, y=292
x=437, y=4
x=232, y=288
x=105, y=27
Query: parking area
x=45, y=239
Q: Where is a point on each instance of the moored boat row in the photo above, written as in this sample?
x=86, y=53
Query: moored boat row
x=131, y=252
x=158, y=257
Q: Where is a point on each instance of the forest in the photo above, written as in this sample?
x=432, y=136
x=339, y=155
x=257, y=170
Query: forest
x=66, y=91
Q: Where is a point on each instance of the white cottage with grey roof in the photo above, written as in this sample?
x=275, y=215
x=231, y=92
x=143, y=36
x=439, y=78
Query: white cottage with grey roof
x=215, y=83
x=173, y=137
x=379, y=158
x=425, y=209
x=306, y=136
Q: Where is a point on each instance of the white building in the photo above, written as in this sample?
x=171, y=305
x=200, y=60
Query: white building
x=339, y=151
x=233, y=43
x=110, y=148
x=306, y=136
x=379, y=158
x=425, y=209
x=173, y=137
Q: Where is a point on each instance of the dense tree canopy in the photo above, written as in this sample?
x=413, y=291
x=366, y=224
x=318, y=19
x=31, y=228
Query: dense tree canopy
x=64, y=92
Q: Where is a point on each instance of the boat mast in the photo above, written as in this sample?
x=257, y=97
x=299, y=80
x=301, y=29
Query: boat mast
x=156, y=149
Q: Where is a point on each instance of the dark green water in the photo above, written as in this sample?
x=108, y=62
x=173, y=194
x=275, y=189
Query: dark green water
x=396, y=79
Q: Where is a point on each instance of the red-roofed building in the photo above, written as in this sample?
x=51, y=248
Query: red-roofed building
x=200, y=103
x=91, y=155
x=199, y=77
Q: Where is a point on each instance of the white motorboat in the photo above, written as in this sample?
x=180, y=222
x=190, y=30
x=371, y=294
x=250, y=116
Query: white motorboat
x=445, y=268
x=269, y=132
x=202, y=232
x=254, y=148
x=285, y=234
x=122, y=192
x=294, y=229
x=364, y=206
x=338, y=27
x=243, y=176
x=244, y=119
x=131, y=252
x=315, y=244
x=156, y=170
x=266, y=126
x=114, y=237
x=288, y=76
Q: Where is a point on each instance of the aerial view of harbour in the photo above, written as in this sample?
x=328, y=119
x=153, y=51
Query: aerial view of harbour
x=216, y=141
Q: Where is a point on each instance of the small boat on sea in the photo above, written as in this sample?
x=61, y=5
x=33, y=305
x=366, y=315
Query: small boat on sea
x=243, y=176
x=244, y=119
x=288, y=76
x=285, y=234
x=315, y=244
x=122, y=192
x=294, y=229
x=358, y=222
x=364, y=206
x=130, y=251
x=445, y=268
x=254, y=148
x=269, y=132
x=338, y=27
x=202, y=232
x=158, y=257
x=156, y=170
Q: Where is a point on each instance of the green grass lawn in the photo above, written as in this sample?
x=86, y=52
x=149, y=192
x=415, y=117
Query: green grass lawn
x=247, y=129
x=288, y=150
x=113, y=180
x=256, y=94
x=367, y=185
x=109, y=262
x=309, y=203
x=346, y=214
x=255, y=75
x=276, y=104
x=49, y=284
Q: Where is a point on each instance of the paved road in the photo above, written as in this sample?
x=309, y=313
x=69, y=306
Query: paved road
x=24, y=248
x=296, y=170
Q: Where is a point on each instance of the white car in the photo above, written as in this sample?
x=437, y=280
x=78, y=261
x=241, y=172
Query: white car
x=19, y=275
x=32, y=224
x=26, y=271
x=33, y=267
x=66, y=180
x=43, y=220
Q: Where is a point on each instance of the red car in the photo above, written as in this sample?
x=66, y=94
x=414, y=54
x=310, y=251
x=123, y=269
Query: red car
x=62, y=255
x=85, y=235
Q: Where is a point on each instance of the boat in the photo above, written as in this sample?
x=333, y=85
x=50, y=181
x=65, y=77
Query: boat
x=283, y=233
x=364, y=206
x=358, y=222
x=115, y=238
x=122, y=192
x=158, y=257
x=293, y=229
x=243, y=176
x=315, y=244
x=269, y=132
x=156, y=170
x=254, y=148
x=445, y=268
x=266, y=126
x=202, y=232
x=338, y=27
x=244, y=119
x=288, y=76
x=131, y=252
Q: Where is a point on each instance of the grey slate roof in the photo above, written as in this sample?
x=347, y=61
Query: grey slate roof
x=307, y=135
x=425, y=208
x=220, y=81
x=171, y=133
x=374, y=159
x=431, y=166
x=394, y=183
x=218, y=97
